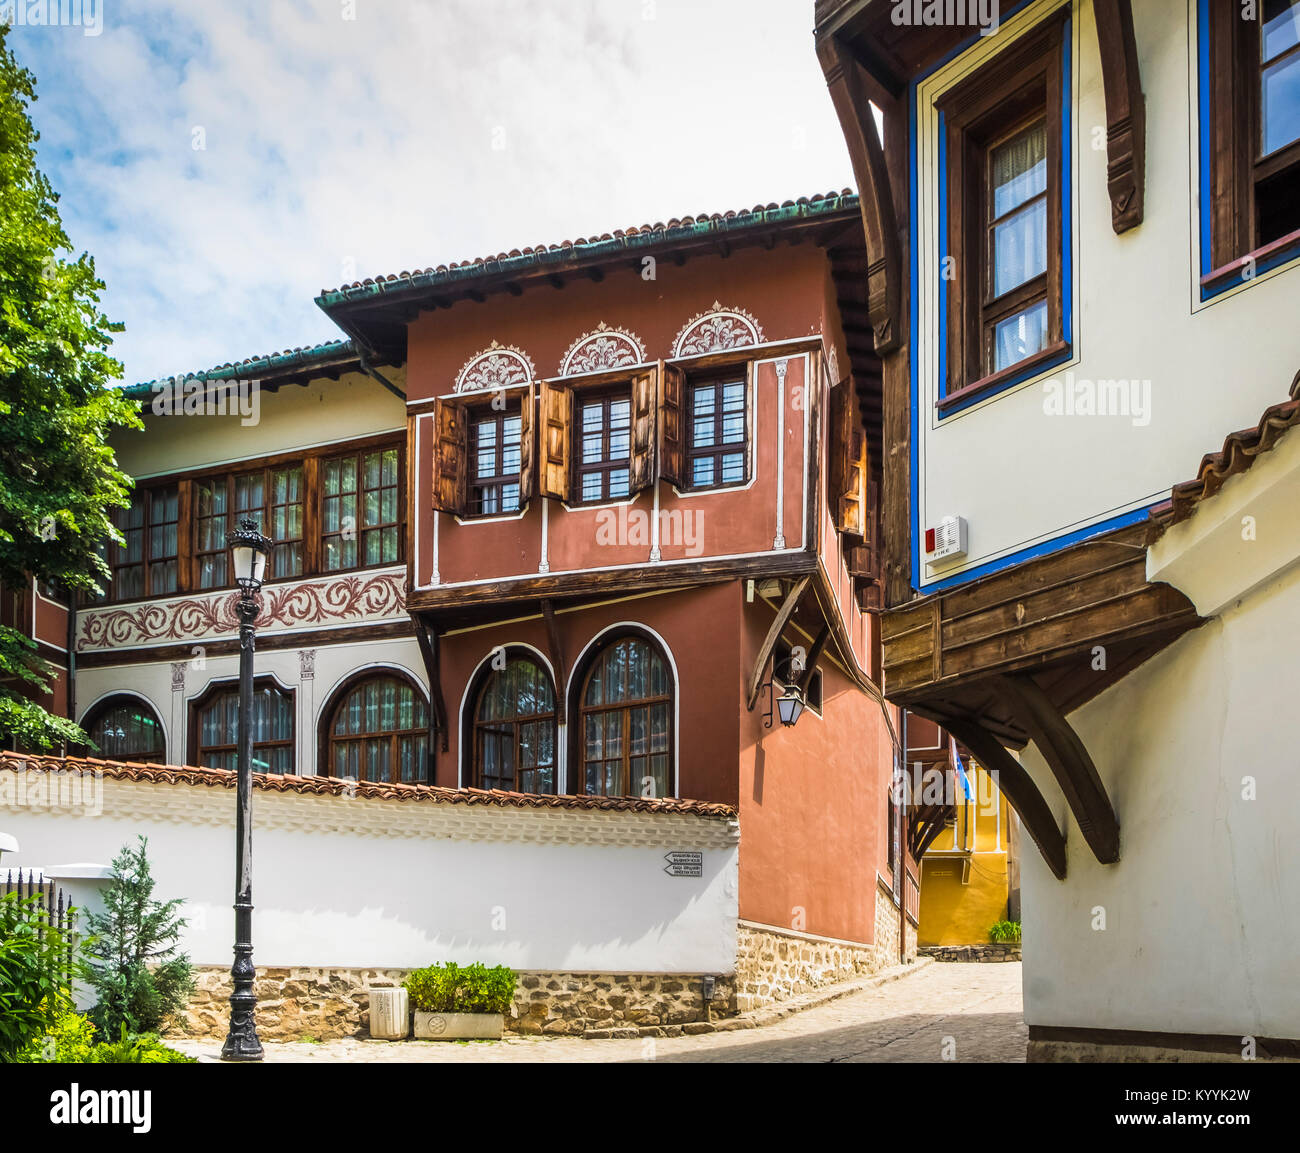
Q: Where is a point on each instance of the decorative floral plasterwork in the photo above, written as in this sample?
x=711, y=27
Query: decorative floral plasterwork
x=716, y=330
x=369, y=597
x=601, y=349
x=834, y=365
x=498, y=366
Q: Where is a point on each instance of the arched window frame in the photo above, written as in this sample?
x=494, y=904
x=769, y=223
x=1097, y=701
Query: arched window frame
x=470, y=775
x=199, y=703
x=576, y=776
x=95, y=713
x=325, y=722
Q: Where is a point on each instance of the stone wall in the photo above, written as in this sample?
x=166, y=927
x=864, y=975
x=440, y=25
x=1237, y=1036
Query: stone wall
x=323, y=1004
x=990, y=952
x=775, y=964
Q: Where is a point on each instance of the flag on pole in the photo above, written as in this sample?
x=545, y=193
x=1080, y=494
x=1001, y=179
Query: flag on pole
x=961, y=771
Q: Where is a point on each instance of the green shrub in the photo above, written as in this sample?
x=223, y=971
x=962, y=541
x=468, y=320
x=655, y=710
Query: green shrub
x=71, y=1040
x=137, y=973
x=451, y=989
x=36, y=961
x=1005, y=932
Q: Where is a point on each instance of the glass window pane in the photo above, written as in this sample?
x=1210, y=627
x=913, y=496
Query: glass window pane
x=619, y=483
x=1020, y=248
x=1019, y=169
x=1280, y=107
x=702, y=471
x=1281, y=28
x=1020, y=336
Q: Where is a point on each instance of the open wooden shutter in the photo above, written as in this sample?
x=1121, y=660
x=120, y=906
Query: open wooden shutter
x=645, y=410
x=849, y=472
x=672, y=399
x=450, y=456
x=527, y=452
x=555, y=417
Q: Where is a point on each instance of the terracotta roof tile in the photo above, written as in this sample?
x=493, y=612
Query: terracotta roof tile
x=334, y=786
x=1239, y=452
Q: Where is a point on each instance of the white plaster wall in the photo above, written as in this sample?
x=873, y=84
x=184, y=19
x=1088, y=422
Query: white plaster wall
x=1202, y=928
x=350, y=883
x=333, y=663
x=294, y=417
x=1022, y=477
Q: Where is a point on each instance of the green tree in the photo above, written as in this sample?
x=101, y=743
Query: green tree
x=140, y=978
x=59, y=480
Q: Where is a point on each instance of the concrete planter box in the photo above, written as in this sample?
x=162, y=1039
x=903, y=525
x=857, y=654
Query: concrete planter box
x=459, y=1026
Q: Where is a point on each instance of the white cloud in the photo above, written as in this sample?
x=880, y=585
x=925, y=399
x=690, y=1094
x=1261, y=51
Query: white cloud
x=340, y=149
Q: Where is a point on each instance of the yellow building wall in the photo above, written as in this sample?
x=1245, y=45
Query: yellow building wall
x=957, y=913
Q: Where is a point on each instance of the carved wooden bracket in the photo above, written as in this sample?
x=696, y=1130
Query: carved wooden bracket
x=783, y=615
x=1019, y=789
x=1125, y=113
x=844, y=79
x=1069, y=761
x=557, y=660
x=427, y=636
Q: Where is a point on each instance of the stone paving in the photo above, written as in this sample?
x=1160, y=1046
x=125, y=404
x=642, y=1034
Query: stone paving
x=958, y=1012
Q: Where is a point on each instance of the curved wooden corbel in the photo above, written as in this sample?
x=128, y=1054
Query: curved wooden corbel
x=843, y=78
x=1125, y=113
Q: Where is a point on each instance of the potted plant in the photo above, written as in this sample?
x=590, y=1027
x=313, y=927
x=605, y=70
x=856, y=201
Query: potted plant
x=1005, y=933
x=452, y=1003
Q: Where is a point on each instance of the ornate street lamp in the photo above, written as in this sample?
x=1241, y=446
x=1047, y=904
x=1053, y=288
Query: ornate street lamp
x=790, y=704
x=248, y=552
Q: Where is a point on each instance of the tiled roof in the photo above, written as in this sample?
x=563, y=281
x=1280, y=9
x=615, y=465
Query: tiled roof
x=597, y=247
x=1240, y=450
x=335, y=786
x=252, y=367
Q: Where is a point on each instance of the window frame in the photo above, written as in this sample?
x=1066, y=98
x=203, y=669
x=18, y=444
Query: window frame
x=233, y=515
x=604, y=394
x=212, y=690
x=578, y=711
x=737, y=373
x=399, y=487
x=1233, y=166
x=326, y=737
x=471, y=753
x=476, y=414
x=1011, y=92
x=147, y=494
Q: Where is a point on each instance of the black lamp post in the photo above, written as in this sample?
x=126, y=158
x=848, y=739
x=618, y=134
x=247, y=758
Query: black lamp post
x=248, y=552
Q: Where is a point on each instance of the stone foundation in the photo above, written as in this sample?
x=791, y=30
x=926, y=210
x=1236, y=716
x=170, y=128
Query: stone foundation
x=325, y=1004
x=990, y=952
x=773, y=964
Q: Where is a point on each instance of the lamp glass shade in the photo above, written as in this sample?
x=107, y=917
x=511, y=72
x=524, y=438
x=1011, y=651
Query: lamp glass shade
x=248, y=552
x=789, y=706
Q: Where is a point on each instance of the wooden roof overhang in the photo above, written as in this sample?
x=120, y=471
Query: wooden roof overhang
x=1003, y=660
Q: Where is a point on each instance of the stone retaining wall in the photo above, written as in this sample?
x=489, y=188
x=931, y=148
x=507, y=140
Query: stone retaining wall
x=325, y=1004
x=990, y=952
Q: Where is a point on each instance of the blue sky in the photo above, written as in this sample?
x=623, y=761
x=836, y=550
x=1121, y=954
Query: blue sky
x=225, y=162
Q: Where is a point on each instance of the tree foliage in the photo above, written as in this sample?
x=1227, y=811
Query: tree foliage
x=139, y=976
x=59, y=480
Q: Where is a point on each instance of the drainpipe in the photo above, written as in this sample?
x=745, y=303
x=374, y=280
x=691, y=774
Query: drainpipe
x=370, y=370
x=899, y=816
x=72, y=656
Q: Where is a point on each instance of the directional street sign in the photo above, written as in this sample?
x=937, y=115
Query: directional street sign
x=684, y=864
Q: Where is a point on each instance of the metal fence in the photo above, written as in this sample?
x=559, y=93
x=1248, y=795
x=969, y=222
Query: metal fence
x=51, y=907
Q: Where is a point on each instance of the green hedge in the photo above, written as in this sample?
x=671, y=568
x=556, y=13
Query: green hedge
x=450, y=988
x=71, y=1040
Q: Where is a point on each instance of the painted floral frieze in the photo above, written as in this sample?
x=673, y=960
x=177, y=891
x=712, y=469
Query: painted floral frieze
x=351, y=599
x=716, y=331
x=498, y=366
x=601, y=349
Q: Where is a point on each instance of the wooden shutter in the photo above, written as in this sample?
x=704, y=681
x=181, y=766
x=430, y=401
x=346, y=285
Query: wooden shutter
x=672, y=399
x=864, y=559
x=450, y=456
x=848, y=472
x=645, y=410
x=527, y=454
x=553, y=425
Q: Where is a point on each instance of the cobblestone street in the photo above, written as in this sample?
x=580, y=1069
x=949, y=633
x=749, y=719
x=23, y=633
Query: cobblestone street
x=961, y=1012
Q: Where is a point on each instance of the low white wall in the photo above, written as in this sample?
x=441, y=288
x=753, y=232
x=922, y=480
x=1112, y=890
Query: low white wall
x=1197, y=749
x=364, y=882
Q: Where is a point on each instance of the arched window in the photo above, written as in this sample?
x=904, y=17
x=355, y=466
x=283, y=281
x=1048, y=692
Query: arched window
x=626, y=734
x=514, y=728
x=215, y=727
x=378, y=730
x=126, y=729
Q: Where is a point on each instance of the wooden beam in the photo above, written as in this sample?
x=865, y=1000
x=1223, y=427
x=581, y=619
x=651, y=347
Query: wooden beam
x=1068, y=758
x=1017, y=786
x=428, y=640
x=884, y=262
x=783, y=615
x=1125, y=113
x=557, y=660
x=810, y=662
